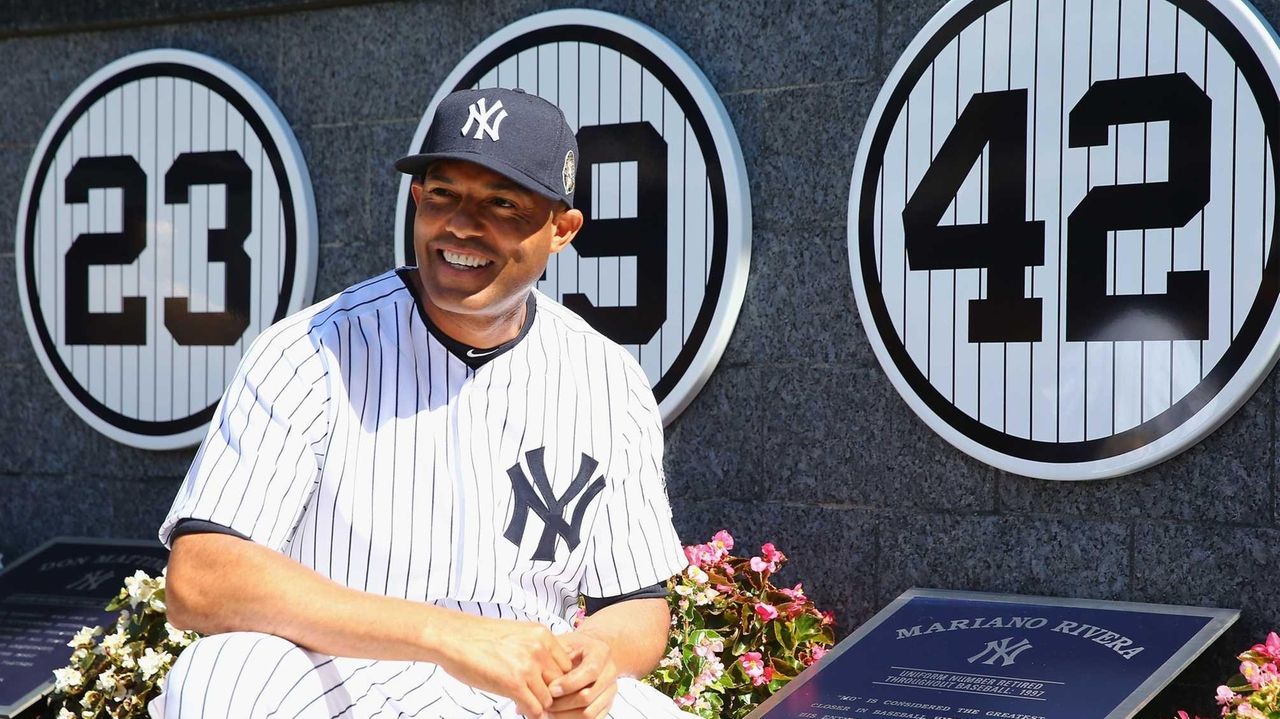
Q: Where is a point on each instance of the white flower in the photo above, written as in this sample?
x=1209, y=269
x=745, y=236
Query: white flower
x=64, y=714
x=84, y=637
x=684, y=590
x=107, y=680
x=66, y=678
x=140, y=587
x=705, y=596
x=125, y=657
x=153, y=662
x=177, y=636
x=112, y=643
x=697, y=575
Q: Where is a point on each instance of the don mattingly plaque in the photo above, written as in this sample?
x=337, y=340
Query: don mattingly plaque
x=934, y=654
x=47, y=596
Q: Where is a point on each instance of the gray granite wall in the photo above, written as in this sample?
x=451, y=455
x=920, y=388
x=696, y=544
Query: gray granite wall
x=798, y=438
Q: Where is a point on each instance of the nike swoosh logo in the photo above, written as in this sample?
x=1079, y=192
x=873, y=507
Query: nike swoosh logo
x=473, y=353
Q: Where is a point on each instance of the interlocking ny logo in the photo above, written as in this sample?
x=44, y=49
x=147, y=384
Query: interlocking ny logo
x=548, y=506
x=91, y=581
x=479, y=112
x=1002, y=651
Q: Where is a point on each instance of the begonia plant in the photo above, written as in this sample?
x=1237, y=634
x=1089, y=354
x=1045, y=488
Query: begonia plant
x=1254, y=693
x=735, y=637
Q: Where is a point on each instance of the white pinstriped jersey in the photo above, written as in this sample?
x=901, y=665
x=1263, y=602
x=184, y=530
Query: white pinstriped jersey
x=356, y=442
x=353, y=441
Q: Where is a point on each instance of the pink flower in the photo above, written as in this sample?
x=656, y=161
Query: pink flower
x=1246, y=711
x=813, y=655
x=711, y=553
x=1260, y=676
x=686, y=700
x=828, y=618
x=702, y=555
x=753, y=664
x=707, y=648
x=693, y=556
x=772, y=555
x=796, y=594
x=1226, y=697
x=1271, y=649
x=709, y=674
x=579, y=616
x=766, y=612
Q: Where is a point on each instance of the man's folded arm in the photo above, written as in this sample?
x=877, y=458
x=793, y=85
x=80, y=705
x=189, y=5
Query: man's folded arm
x=218, y=583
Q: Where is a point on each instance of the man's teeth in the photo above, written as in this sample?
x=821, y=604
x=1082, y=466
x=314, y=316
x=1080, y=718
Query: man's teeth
x=454, y=258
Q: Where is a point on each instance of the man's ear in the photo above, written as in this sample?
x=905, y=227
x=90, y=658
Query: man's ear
x=415, y=189
x=567, y=224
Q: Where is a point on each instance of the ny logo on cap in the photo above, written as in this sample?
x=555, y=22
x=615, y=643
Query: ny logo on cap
x=550, y=508
x=479, y=112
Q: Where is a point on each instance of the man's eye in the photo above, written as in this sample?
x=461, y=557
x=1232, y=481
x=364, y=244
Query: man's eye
x=503, y=202
x=440, y=192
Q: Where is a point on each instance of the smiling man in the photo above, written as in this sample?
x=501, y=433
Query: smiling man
x=407, y=486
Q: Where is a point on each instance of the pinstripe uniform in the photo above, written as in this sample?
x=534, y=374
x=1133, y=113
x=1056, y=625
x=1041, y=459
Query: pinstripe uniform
x=361, y=442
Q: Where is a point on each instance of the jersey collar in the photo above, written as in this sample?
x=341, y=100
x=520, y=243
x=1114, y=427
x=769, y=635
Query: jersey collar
x=473, y=357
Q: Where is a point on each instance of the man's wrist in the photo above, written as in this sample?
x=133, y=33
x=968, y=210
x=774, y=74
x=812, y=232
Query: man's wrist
x=438, y=629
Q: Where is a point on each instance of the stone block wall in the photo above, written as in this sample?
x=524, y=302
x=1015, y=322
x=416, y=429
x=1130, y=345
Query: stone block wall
x=798, y=438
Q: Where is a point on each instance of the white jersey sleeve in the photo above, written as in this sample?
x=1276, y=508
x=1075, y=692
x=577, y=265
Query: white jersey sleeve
x=259, y=462
x=633, y=542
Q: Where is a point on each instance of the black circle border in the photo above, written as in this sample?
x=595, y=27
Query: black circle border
x=697, y=121
x=167, y=428
x=1250, y=66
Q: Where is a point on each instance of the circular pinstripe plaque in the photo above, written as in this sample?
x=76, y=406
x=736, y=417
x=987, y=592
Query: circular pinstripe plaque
x=1062, y=227
x=166, y=219
x=661, y=265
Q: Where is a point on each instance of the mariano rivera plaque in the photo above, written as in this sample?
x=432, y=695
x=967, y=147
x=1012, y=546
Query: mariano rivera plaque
x=1062, y=227
x=661, y=264
x=166, y=219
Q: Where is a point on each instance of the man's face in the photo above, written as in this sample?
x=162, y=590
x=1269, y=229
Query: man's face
x=482, y=241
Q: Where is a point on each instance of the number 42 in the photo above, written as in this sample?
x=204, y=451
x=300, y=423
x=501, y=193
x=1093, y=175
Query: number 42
x=1008, y=243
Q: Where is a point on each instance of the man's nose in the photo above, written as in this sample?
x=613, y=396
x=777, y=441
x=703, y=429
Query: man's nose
x=462, y=222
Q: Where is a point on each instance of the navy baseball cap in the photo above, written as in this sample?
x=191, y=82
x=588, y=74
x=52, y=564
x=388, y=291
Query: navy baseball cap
x=520, y=136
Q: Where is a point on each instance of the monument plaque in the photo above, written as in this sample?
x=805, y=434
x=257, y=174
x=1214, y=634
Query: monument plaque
x=934, y=654
x=48, y=595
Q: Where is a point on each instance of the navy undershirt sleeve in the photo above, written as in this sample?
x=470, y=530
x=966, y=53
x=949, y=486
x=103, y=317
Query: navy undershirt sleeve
x=653, y=591
x=201, y=526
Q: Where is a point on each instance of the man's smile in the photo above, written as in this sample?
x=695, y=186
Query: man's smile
x=464, y=261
